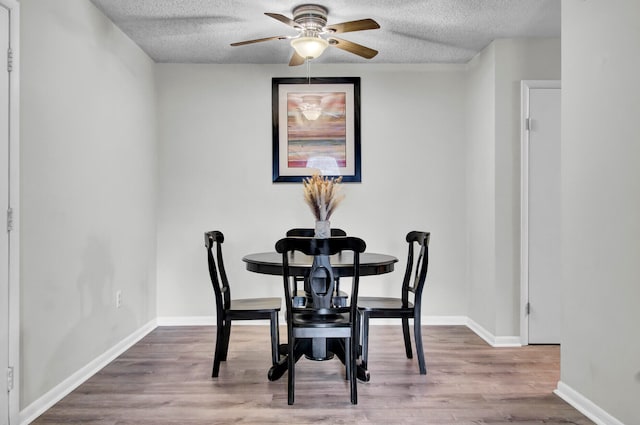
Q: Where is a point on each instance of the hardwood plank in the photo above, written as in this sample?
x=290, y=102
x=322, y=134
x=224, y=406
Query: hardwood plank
x=165, y=379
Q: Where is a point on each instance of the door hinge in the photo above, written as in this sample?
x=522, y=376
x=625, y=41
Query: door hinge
x=9, y=219
x=9, y=59
x=527, y=309
x=527, y=124
x=10, y=378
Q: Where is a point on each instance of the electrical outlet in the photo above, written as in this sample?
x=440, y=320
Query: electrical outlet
x=118, y=299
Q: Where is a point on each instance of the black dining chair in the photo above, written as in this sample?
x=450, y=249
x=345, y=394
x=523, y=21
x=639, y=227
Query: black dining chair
x=321, y=318
x=402, y=308
x=228, y=309
x=306, y=232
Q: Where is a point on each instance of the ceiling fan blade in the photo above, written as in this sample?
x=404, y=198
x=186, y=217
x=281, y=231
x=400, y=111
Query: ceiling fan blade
x=284, y=19
x=258, y=40
x=296, y=59
x=352, y=47
x=362, y=24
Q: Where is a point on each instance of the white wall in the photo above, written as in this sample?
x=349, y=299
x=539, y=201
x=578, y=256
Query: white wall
x=215, y=173
x=480, y=190
x=88, y=189
x=494, y=175
x=601, y=204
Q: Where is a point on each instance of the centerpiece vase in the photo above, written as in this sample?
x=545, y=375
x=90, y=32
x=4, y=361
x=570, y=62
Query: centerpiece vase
x=323, y=229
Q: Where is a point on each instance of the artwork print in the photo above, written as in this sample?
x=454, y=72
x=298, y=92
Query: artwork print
x=316, y=128
x=319, y=142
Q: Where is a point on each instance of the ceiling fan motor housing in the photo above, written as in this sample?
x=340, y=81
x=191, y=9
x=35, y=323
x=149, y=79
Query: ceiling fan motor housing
x=311, y=17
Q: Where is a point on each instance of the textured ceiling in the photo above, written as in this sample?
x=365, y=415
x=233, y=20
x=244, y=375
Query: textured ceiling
x=412, y=31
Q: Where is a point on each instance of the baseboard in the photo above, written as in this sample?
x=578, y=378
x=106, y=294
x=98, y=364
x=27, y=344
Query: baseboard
x=492, y=340
x=57, y=393
x=584, y=405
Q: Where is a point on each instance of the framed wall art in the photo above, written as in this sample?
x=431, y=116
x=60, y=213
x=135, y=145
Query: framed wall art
x=316, y=128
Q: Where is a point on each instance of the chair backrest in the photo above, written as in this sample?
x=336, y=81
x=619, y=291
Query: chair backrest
x=309, y=233
x=213, y=241
x=321, y=278
x=418, y=258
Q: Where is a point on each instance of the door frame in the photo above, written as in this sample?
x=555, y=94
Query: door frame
x=13, y=6
x=525, y=87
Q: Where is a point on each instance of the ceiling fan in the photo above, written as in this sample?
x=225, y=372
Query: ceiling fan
x=310, y=20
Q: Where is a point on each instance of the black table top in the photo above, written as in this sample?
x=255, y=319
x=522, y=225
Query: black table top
x=271, y=263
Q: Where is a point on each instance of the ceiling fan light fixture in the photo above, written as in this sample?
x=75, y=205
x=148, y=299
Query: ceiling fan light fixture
x=309, y=47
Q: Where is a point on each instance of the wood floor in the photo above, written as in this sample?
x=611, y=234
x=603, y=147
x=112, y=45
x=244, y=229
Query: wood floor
x=165, y=379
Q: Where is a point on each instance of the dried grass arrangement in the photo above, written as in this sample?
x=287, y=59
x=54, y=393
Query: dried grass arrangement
x=322, y=194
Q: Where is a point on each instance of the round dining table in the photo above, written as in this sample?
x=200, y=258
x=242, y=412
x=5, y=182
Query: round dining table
x=342, y=264
x=299, y=264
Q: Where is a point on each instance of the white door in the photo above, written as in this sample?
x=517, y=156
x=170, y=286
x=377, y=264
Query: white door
x=4, y=203
x=544, y=305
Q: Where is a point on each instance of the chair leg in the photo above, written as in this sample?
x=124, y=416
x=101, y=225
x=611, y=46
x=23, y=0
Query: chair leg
x=227, y=336
x=357, y=332
x=417, y=330
x=407, y=338
x=353, y=347
x=220, y=343
x=275, y=340
x=347, y=358
x=291, y=371
x=365, y=338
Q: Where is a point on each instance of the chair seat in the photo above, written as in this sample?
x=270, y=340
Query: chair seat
x=300, y=298
x=321, y=321
x=383, y=303
x=256, y=304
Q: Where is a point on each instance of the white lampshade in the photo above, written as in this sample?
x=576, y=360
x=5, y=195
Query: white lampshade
x=309, y=47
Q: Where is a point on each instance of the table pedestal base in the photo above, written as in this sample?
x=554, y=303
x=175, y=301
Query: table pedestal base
x=304, y=347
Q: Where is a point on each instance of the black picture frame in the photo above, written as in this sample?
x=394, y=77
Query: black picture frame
x=330, y=143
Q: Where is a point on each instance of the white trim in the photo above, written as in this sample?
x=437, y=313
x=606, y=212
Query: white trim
x=492, y=340
x=14, y=202
x=585, y=406
x=39, y=406
x=506, y=341
x=525, y=87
